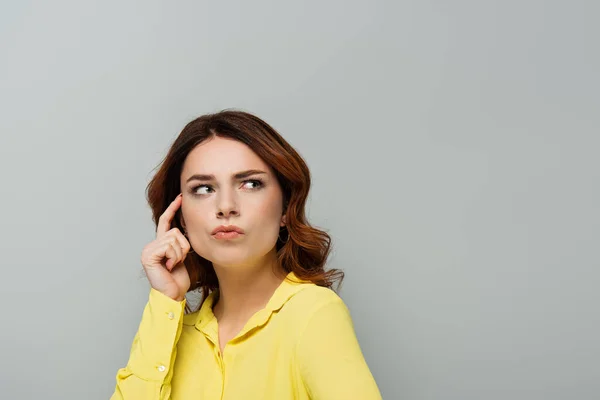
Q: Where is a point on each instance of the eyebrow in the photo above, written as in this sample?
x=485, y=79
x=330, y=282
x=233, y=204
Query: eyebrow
x=238, y=175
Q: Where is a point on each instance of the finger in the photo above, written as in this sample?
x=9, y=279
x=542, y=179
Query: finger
x=164, y=221
x=171, y=254
x=179, y=241
x=183, y=242
x=174, y=243
x=178, y=251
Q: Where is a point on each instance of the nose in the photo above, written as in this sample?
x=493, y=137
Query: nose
x=226, y=205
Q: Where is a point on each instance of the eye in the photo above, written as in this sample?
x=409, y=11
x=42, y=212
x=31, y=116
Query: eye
x=251, y=184
x=258, y=183
x=196, y=189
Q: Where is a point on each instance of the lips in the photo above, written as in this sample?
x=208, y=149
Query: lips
x=227, y=235
x=227, y=229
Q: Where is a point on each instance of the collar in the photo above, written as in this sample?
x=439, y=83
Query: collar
x=206, y=321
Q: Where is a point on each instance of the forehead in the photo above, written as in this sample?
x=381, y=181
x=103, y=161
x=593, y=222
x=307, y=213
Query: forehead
x=222, y=156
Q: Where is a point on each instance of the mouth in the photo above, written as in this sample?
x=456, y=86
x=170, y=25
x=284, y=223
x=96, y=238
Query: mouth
x=227, y=232
x=227, y=235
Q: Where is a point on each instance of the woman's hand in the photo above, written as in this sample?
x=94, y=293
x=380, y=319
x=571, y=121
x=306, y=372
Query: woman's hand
x=162, y=258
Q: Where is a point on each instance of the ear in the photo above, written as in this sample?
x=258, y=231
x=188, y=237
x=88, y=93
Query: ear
x=282, y=223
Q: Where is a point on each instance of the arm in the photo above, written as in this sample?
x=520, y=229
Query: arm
x=330, y=360
x=148, y=373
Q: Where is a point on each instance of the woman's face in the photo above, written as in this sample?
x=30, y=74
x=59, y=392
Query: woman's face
x=213, y=196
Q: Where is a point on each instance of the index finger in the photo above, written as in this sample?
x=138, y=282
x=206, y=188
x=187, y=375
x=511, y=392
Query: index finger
x=164, y=222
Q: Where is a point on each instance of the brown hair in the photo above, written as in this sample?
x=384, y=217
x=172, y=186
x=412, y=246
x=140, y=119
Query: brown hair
x=305, y=249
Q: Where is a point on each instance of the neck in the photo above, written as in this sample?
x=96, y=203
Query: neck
x=243, y=290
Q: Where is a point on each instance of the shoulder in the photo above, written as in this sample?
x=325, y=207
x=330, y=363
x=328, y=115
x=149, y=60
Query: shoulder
x=308, y=302
x=318, y=322
x=313, y=297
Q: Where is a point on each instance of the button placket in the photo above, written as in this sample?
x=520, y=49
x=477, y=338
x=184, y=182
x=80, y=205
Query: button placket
x=162, y=367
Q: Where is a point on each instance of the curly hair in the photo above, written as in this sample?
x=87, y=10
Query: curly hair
x=304, y=250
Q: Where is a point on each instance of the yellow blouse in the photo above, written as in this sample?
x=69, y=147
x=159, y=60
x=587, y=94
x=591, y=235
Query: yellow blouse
x=302, y=345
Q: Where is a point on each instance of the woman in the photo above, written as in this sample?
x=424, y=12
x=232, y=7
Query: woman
x=228, y=202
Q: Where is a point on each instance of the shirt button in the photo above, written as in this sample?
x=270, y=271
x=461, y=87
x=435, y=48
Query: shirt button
x=171, y=315
x=161, y=368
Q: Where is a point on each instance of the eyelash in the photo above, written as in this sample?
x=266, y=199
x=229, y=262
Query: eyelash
x=195, y=188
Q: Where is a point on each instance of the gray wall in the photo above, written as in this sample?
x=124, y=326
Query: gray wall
x=454, y=149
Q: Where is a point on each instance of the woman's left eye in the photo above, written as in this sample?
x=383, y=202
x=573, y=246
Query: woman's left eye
x=256, y=181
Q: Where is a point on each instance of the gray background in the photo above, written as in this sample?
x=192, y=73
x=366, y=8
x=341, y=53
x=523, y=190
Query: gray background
x=454, y=150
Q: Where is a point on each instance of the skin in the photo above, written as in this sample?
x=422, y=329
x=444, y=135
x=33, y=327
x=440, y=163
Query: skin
x=170, y=277
x=246, y=267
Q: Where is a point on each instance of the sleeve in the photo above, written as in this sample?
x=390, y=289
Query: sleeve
x=329, y=357
x=148, y=372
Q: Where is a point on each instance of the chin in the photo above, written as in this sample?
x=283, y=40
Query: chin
x=230, y=258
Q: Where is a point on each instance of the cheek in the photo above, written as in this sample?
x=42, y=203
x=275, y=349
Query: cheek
x=268, y=218
x=269, y=210
x=195, y=217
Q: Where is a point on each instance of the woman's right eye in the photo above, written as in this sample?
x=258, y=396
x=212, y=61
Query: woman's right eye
x=197, y=188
